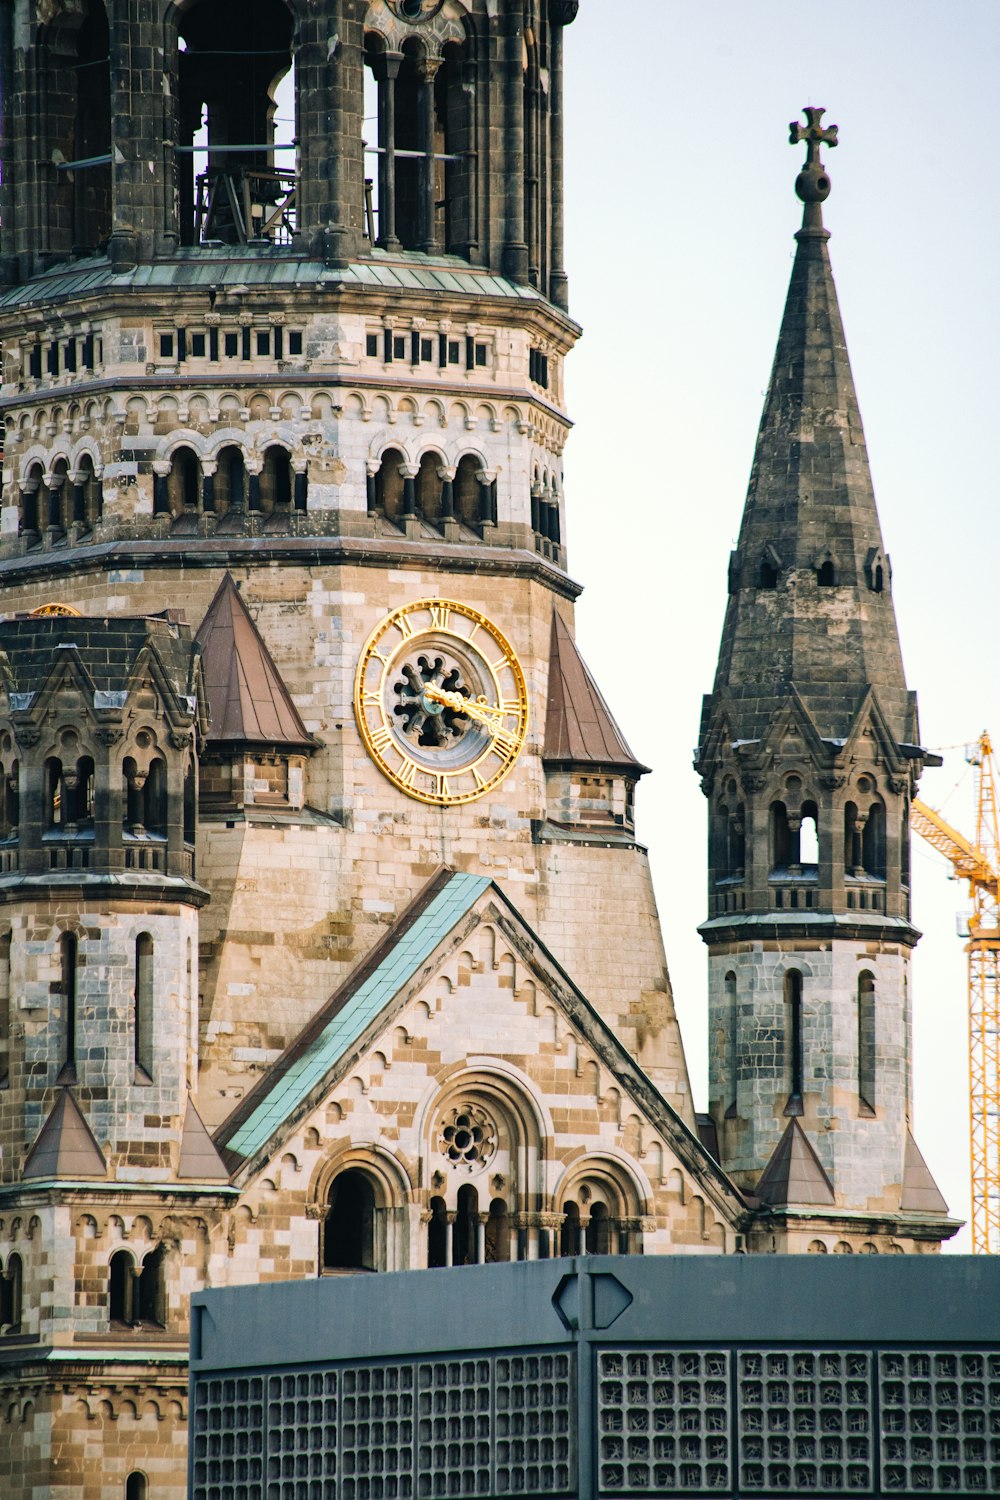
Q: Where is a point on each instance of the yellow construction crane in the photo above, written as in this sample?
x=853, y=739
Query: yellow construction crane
x=978, y=862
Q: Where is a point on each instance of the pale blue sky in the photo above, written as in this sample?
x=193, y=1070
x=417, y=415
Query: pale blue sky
x=680, y=218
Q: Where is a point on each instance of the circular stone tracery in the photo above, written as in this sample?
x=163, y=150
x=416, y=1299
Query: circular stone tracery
x=468, y=1137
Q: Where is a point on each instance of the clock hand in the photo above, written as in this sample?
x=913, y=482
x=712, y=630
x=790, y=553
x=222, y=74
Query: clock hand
x=475, y=708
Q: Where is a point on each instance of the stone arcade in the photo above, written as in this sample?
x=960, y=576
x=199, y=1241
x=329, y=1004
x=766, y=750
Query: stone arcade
x=326, y=941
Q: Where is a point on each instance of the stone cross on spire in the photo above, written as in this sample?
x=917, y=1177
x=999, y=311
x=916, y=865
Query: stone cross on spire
x=812, y=184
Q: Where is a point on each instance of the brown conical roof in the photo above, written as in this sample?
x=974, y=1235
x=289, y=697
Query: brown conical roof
x=247, y=699
x=199, y=1161
x=579, y=728
x=921, y=1194
x=65, y=1147
x=795, y=1174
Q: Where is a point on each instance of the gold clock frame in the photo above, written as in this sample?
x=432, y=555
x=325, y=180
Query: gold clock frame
x=498, y=714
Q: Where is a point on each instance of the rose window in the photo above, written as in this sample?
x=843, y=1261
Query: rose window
x=423, y=720
x=468, y=1137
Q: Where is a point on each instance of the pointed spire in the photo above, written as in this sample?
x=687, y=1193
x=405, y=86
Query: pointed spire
x=198, y=1161
x=248, y=701
x=809, y=583
x=65, y=1147
x=794, y=1174
x=579, y=728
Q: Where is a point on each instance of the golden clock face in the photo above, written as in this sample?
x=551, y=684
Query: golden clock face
x=441, y=702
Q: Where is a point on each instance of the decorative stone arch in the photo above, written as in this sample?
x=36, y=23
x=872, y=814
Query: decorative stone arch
x=86, y=447
x=602, y=1201
x=503, y=1091
x=826, y=569
x=380, y=1191
x=36, y=455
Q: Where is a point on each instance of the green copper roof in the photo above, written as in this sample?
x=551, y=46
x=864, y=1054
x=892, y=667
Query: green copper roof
x=351, y=1012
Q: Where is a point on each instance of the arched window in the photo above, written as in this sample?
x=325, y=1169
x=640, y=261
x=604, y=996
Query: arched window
x=276, y=481
x=11, y=1286
x=67, y=987
x=59, y=502
x=151, y=1290
x=78, y=794
x=121, y=1289
x=826, y=574
x=30, y=495
x=77, y=118
x=429, y=486
x=136, y=1487
x=767, y=577
x=793, y=1034
x=784, y=838
x=809, y=836
x=55, y=801
x=228, y=101
x=873, y=842
x=389, y=485
x=852, y=840
x=599, y=1230
x=12, y=801
x=498, y=1232
x=142, y=1019
x=467, y=489
x=866, y=1043
x=465, y=1234
x=154, y=798
x=349, y=1230
x=184, y=482
x=569, y=1235
x=230, y=480
x=88, y=494
x=5, y=948
x=437, y=1234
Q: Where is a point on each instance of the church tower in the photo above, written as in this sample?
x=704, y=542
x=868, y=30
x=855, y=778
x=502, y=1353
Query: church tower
x=809, y=756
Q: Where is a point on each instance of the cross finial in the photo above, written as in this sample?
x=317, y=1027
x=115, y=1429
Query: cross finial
x=813, y=182
x=813, y=133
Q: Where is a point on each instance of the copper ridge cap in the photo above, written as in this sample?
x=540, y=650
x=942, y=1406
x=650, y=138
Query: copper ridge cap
x=813, y=183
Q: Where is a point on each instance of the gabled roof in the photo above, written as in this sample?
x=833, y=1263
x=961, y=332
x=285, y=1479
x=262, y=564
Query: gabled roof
x=426, y=934
x=579, y=728
x=795, y=1174
x=199, y=1161
x=921, y=1194
x=247, y=699
x=65, y=1146
x=351, y=1010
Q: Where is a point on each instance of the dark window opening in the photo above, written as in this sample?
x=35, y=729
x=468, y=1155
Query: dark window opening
x=263, y=342
x=466, y=1227
x=184, y=482
x=768, y=575
x=230, y=480
x=426, y=351
x=11, y=1292
x=68, y=999
x=389, y=485
x=599, y=1231
x=454, y=352
x=232, y=345
x=826, y=575
x=437, y=1234
x=142, y=1018
x=371, y=345
x=349, y=1230
x=481, y=354
x=197, y=346
x=497, y=1246
x=466, y=489
x=295, y=343
x=569, y=1235
x=5, y=949
x=399, y=348
x=136, y=1487
x=793, y=1033
x=866, y=1042
x=166, y=346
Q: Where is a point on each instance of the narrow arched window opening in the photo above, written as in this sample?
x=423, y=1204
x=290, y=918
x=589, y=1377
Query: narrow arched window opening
x=136, y=1487
x=873, y=842
x=429, y=486
x=498, y=1232
x=55, y=799
x=30, y=490
x=465, y=1233
x=599, y=1230
x=437, y=1234
x=732, y=1035
x=809, y=837
x=142, y=1020
x=276, y=481
x=68, y=997
x=11, y=792
x=184, y=482
x=11, y=1292
x=878, y=579
x=767, y=577
x=826, y=575
x=569, y=1235
x=784, y=838
x=154, y=799
x=466, y=490
x=230, y=481
x=866, y=1042
x=121, y=1289
x=150, y=1300
x=793, y=1035
x=389, y=485
x=349, y=1230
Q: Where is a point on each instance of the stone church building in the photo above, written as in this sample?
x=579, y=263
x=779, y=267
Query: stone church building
x=327, y=940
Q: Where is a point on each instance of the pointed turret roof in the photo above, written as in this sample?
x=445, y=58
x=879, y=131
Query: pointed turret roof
x=198, y=1161
x=579, y=728
x=65, y=1147
x=921, y=1194
x=795, y=1174
x=248, y=701
x=829, y=631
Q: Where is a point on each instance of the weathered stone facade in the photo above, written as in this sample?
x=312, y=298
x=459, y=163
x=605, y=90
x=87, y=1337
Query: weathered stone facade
x=267, y=1011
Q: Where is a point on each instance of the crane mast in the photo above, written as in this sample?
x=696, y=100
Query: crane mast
x=977, y=861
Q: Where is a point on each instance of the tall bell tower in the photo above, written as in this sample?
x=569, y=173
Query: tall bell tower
x=809, y=755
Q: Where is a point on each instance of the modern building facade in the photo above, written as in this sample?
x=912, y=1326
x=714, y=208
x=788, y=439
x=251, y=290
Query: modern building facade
x=326, y=939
